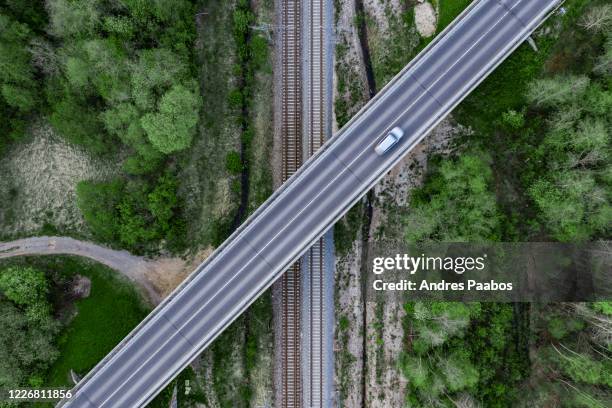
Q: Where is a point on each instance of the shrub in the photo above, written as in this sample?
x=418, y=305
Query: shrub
x=233, y=162
x=136, y=213
x=98, y=203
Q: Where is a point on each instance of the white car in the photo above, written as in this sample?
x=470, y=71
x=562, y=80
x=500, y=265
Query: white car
x=389, y=141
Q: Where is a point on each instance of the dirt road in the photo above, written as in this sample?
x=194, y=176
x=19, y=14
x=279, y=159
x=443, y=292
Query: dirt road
x=157, y=277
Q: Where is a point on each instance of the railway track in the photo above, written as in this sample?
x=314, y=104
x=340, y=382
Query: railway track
x=291, y=302
x=316, y=345
x=291, y=128
x=303, y=127
x=316, y=135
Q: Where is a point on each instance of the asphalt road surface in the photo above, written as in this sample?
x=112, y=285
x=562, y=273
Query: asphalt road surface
x=308, y=204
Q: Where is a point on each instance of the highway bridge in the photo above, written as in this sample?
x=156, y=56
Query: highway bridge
x=308, y=204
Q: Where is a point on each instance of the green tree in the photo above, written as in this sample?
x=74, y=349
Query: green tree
x=156, y=71
x=458, y=371
x=171, y=128
x=21, y=98
x=107, y=66
x=513, y=119
x=14, y=56
x=136, y=213
x=28, y=331
x=98, y=203
x=162, y=201
x=572, y=205
x=31, y=13
x=571, y=187
x=597, y=18
x=455, y=204
x=583, y=368
x=417, y=370
x=436, y=322
x=26, y=347
x=19, y=91
x=74, y=18
x=121, y=26
x=123, y=120
x=80, y=124
x=603, y=65
x=24, y=286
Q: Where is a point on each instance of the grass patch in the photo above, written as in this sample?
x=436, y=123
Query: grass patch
x=206, y=183
x=448, y=10
x=104, y=318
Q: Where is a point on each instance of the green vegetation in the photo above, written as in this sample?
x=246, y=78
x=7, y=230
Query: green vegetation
x=49, y=329
x=345, y=357
x=398, y=50
x=172, y=127
x=572, y=356
x=124, y=72
x=468, y=352
x=28, y=335
x=348, y=85
x=40, y=301
x=228, y=172
x=435, y=374
x=240, y=354
x=570, y=183
x=19, y=90
x=127, y=75
x=347, y=228
x=456, y=203
x=136, y=214
x=120, y=80
x=544, y=140
x=449, y=9
x=390, y=54
x=537, y=170
x=460, y=352
x=252, y=52
x=96, y=323
x=117, y=79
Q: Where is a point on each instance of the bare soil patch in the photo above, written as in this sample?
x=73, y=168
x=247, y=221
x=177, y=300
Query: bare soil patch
x=425, y=19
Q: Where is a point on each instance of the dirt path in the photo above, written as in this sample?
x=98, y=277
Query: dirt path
x=157, y=277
